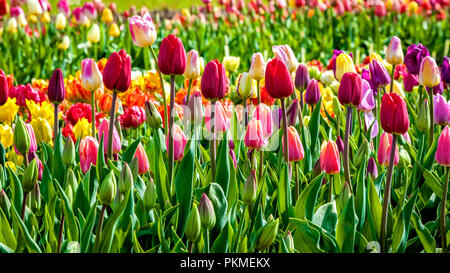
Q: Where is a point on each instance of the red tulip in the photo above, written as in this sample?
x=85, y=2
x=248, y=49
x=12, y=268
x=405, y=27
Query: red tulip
x=142, y=159
x=350, y=92
x=329, y=158
x=278, y=80
x=172, y=56
x=4, y=90
x=384, y=150
x=214, y=82
x=117, y=71
x=443, y=148
x=296, y=152
x=394, y=114
x=88, y=153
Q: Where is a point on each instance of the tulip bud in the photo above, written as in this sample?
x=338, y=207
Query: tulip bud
x=292, y=113
x=88, y=153
x=179, y=142
x=30, y=176
x=107, y=190
x=231, y=63
x=394, y=53
x=56, y=91
x=142, y=30
x=34, y=7
x=441, y=110
x=301, y=77
x=117, y=71
x=285, y=53
x=125, y=179
x=64, y=44
x=71, y=180
x=153, y=118
x=214, y=82
x=363, y=153
x=142, y=159
x=103, y=132
x=60, y=21
x=289, y=242
x=107, y=16
x=278, y=79
x=21, y=137
x=296, y=152
x=268, y=235
x=93, y=35
x=4, y=89
x=5, y=203
x=150, y=195
x=336, y=107
x=378, y=74
x=350, y=91
x=445, y=70
x=254, y=136
x=442, y=155
x=207, y=214
x=114, y=30
x=414, y=56
x=68, y=155
x=394, y=114
x=193, y=224
x=384, y=150
x=372, y=168
x=423, y=118
x=172, y=56
x=404, y=159
x=312, y=94
x=34, y=201
x=344, y=64
x=245, y=86
x=91, y=78
x=12, y=25
x=196, y=108
x=329, y=157
x=250, y=188
x=257, y=67
x=429, y=75
x=193, y=68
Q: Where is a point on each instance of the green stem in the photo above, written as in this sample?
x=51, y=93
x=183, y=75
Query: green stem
x=297, y=182
x=171, y=115
x=387, y=196
x=93, y=113
x=346, y=147
x=206, y=238
x=212, y=148
x=285, y=131
x=112, y=118
x=330, y=193
x=430, y=93
x=99, y=228
x=443, y=207
x=61, y=230
x=392, y=79
x=55, y=125
x=163, y=90
x=24, y=204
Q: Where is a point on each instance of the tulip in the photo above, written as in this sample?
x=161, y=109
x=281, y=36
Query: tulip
x=372, y=168
x=192, y=65
x=193, y=226
x=42, y=129
x=3, y=7
x=103, y=133
x=34, y=7
x=245, y=86
x=296, y=152
x=350, y=91
x=89, y=10
x=12, y=25
x=114, y=30
x=394, y=53
x=179, y=142
x=301, y=80
x=64, y=44
x=414, y=56
x=445, y=70
x=196, y=108
x=312, y=94
x=409, y=81
x=88, y=153
x=379, y=75
x=264, y=115
x=207, y=214
x=367, y=100
x=80, y=17
x=214, y=82
x=141, y=156
x=4, y=88
x=257, y=67
x=231, y=63
x=441, y=110
x=63, y=7
x=292, y=113
x=153, y=118
x=150, y=195
x=93, y=35
x=30, y=177
x=250, y=188
x=423, y=117
x=384, y=150
x=142, y=30
x=91, y=78
x=429, y=73
x=285, y=53
x=278, y=79
x=254, y=136
x=107, y=16
x=172, y=56
x=329, y=157
x=394, y=114
x=60, y=21
x=56, y=91
x=268, y=235
x=344, y=64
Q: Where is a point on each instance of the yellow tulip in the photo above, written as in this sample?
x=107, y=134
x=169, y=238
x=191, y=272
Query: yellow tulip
x=429, y=75
x=8, y=111
x=42, y=130
x=82, y=129
x=107, y=16
x=397, y=88
x=231, y=63
x=45, y=111
x=114, y=30
x=33, y=18
x=22, y=20
x=375, y=56
x=65, y=43
x=185, y=12
x=45, y=17
x=6, y=136
x=94, y=34
x=60, y=21
x=12, y=25
x=344, y=64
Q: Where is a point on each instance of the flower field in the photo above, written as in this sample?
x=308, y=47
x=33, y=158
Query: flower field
x=317, y=126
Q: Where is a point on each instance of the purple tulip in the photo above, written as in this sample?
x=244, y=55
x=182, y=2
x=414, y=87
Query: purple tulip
x=369, y=118
x=409, y=81
x=339, y=144
x=312, y=94
x=379, y=74
x=414, y=56
x=56, y=90
x=292, y=113
x=445, y=70
x=367, y=100
x=301, y=77
x=372, y=168
x=441, y=110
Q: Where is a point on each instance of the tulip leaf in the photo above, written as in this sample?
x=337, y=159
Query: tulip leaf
x=424, y=234
x=223, y=165
x=16, y=189
x=313, y=125
x=304, y=208
x=220, y=245
x=69, y=215
x=219, y=201
x=32, y=246
x=128, y=155
x=402, y=224
x=101, y=165
x=160, y=175
x=346, y=227
x=6, y=233
x=58, y=170
x=306, y=237
x=284, y=194
x=361, y=195
x=326, y=217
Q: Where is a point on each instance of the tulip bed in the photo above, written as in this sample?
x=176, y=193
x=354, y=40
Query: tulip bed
x=201, y=133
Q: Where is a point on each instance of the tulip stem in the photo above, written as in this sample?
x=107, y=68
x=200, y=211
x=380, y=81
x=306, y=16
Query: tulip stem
x=346, y=148
x=387, y=196
x=24, y=204
x=212, y=148
x=112, y=118
x=99, y=228
x=163, y=90
x=443, y=207
x=359, y=122
x=258, y=91
x=297, y=184
x=93, y=113
x=206, y=238
x=191, y=246
x=391, y=88
x=61, y=229
x=55, y=125
x=172, y=99
x=285, y=131
x=430, y=93
x=330, y=193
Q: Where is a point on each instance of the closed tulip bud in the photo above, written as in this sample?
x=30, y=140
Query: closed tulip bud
x=34, y=201
x=69, y=193
x=429, y=73
x=344, y=64
x=107, y=190
x=193, y=225
x=394, y=114
x=423, y=118
x=231, y=63
x=142, y=159
x=296, y=152
x=60, y=21
x=172, y=56
x=68, y=156
x=193, y=68
x=250, y=188
x=196, y=108
x=21, y=137
x=312, y=94
x=88, y=153
x=142, y=30
x=89, y=10
x=125, y=179
x=363, y=153
x=12, y=25
x=254, y=136
x=71, y=180
x=329, y=158
x=4, y=89
x=441, y=110
x=414, y=56
x=5, y=203
x=258, y=67
x=285, y=53
x=114, y=30
x=93, y=35
x=372, y=168
x=350, y=91
x=336, y=106
x=207, y=214
x=442, y=155
x=150, y=195
x=404, y=159
x=301, y=77
x=278, y=79
x=107, y=16
x=34, y=7
x=268, y=235
x=179, y=142
x=117, y=72
x=394, y=53
x=378, y=74
x=289, y=240
x=153, y=118
x=56, y=91
x=292, y=113
x=384, y=150
x=264, y=115
x=214, y=82
x=245, y=86
x=445, y=70
x=103, y=131
x=30, y=176
x=91, y=78
x=134, y=167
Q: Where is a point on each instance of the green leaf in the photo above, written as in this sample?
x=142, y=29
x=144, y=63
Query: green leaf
x=306, y=237
x=326, y=217
x=346, y=227
x=128, y=155
x=223, y=165
x=32, y=246
x=313, y=125
x=401, y=226
x=100, y=165
x=69, y=215
x=16, y=189
x=86, y=232
x=219, y=201
x=284, y=195
x=58, y=170
x=6, y=233
x=361, y=195
x=220, y=245
x=424, y=234
x=304, y=208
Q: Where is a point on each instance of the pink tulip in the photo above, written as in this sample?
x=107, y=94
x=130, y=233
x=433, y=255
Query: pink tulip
x=103, y=131
x=142, y=159
x=179, y=142
x=296, y=152
x=254, y=137
x=384, y=150
x=443, y=148
x=221, y=122
x=88, y=153
x=264, y=114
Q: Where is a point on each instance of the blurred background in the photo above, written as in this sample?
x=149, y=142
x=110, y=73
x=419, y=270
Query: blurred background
x=151, y=4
